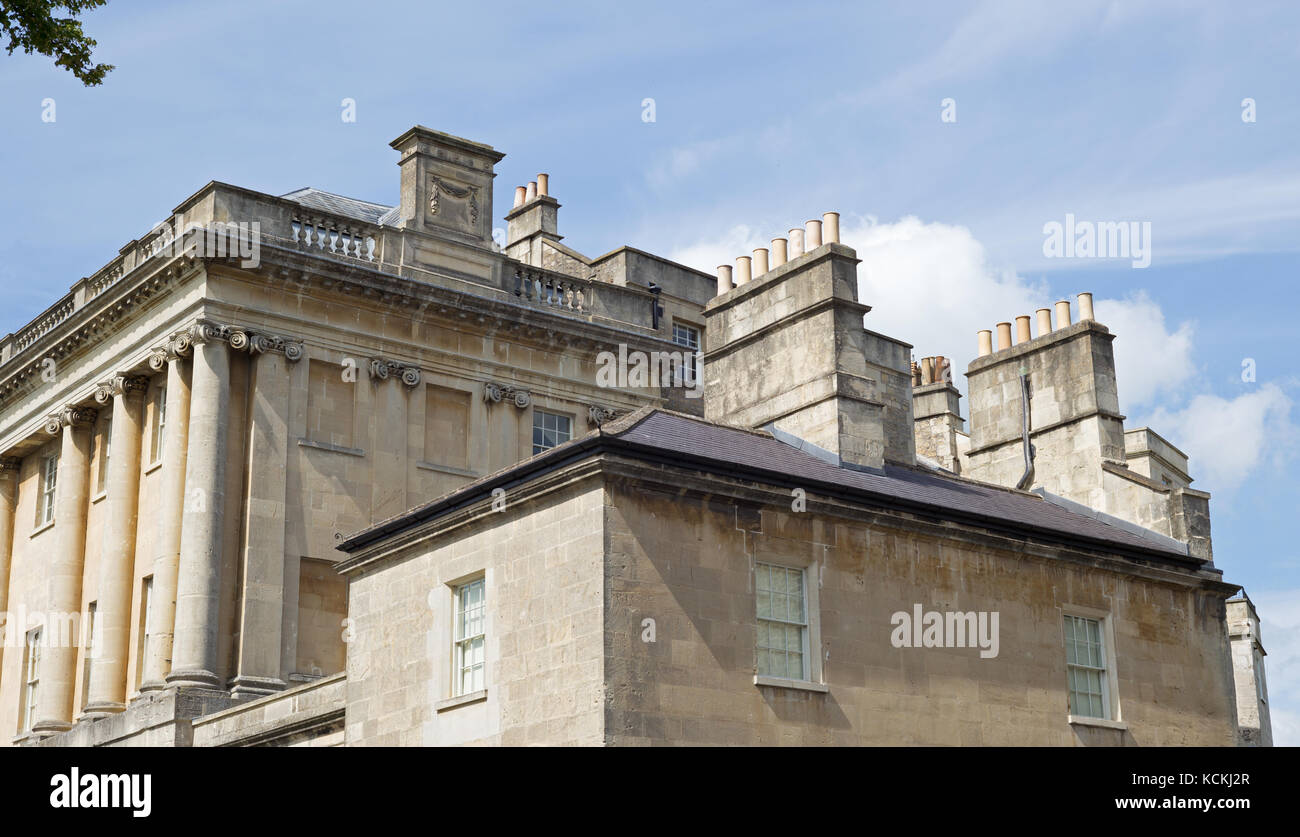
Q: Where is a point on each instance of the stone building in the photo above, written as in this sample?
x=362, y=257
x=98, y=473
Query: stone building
x=536, y=551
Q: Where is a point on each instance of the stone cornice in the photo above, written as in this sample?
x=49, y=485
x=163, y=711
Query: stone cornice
x=23, y=372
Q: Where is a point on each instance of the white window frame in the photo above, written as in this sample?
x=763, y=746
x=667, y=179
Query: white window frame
x=692, y=343
x=810, y=639
x=31, y=681
x=89, y=642
x=1109, y=678
x=146, y=615
x=464, y=644
x=49, y=481
x=156, y=441
x=543, y=415
x=105, y=451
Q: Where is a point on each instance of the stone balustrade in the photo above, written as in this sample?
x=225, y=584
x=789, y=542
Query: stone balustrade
x=555, y=290
x=317, y=232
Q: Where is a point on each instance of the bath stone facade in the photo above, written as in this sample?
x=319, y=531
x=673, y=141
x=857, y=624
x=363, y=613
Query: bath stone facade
x=186, y=434
x=621, y=606
x=623, y=587
x=344, y=473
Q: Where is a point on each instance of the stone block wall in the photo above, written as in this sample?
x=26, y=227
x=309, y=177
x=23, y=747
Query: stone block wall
x=541, y=560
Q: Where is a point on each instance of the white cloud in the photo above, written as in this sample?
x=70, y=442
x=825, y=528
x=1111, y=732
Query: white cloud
x=1149, y=359
x=740, y=240
x=1225, y=438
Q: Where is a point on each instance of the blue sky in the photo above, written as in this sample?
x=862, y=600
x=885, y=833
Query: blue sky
x=767, y=115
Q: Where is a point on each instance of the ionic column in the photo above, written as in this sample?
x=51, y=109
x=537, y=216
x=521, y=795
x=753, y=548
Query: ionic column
x=63, y=570
x=198, y=582
x=9, y=470
x=261, y=616
x=166, y=561
x=117, y=561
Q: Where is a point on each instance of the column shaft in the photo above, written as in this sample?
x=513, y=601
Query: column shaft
x=262, y=604
x=198, y=583
x=117, y=561
x=9, y=469
x=63, y=570
x=158, y=650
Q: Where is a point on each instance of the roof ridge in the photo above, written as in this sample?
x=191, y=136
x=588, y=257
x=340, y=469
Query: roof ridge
x=337, y=195
x=762, y=434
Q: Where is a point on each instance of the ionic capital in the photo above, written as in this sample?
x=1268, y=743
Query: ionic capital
x=158, y=357
x=255, y=343
x=205, y=331
x=121, y=385
x=384, y=369
x=73, y=415
x=494, y=393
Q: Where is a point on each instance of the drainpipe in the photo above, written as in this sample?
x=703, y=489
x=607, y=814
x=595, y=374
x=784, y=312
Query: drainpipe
x=1028, y=477
x=656, y=310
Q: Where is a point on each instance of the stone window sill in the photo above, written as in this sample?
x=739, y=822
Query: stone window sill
x=461, y=700
x=42, y=528
x=308, y=443
x=783, y=683
x=446, y=469
x=153, y=467
x=1082, y=721
x=103, y=495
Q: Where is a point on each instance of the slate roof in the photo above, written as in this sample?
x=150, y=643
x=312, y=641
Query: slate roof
x=756, y=455
x=371, y=213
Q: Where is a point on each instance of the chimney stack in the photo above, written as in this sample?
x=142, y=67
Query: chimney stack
x=462, y=171
x=848, y=391
x=936, y=411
